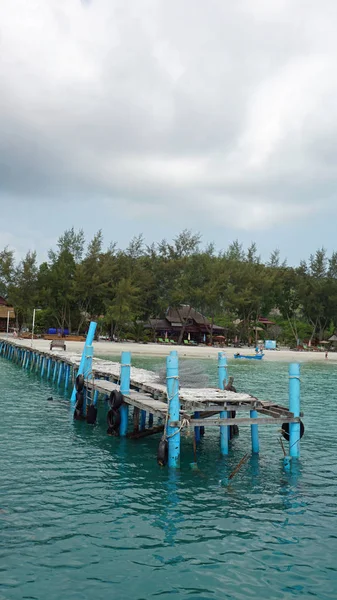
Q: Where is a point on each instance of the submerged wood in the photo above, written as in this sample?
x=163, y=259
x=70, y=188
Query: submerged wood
x=136, y=435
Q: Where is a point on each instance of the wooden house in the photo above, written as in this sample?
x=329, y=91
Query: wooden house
x=4, y=310
x=196, y=327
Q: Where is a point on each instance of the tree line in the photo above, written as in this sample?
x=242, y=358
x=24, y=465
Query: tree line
x=122, y=289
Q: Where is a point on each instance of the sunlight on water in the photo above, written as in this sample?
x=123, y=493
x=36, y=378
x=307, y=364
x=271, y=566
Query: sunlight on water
x=86, y=516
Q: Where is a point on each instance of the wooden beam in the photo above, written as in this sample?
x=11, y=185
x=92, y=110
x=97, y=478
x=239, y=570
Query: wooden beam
x=241, y=421
x=136, y=435
x=136, y=412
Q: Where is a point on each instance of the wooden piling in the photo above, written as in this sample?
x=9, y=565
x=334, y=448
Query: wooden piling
x=294, y=407
x=173, y=433
x=222, y=382
x=125, y=389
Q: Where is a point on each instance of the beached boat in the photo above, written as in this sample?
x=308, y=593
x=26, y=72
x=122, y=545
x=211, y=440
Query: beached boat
x=250, y=356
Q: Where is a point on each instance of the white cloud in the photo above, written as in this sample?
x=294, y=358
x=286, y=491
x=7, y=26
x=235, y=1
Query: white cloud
x=227, y=109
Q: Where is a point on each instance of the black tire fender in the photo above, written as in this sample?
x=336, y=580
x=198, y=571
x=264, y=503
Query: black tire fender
x=162, y=454
x=116, y=399
x=285, y=430
x=79, y=383
x=91, y=414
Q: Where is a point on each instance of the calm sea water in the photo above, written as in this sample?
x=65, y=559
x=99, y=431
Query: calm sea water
x=86, y=516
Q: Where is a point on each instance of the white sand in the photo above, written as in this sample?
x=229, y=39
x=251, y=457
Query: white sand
x=114, y=349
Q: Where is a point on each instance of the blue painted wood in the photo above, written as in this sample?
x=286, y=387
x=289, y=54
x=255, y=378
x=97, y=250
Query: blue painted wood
x=48, y=368
x=86, y=360
x=173, y=433
x=150, y=420
x=294, y=407
x=142, y=420
x=222, y=382
x=197, y=433
x=67, y=375
x=60, y=374
x=255, y=433
x=95, y=400
x=55, y=371
x=125, y=389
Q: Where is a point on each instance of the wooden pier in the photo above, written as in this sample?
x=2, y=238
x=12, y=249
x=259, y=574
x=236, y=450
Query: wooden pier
x=177, y=408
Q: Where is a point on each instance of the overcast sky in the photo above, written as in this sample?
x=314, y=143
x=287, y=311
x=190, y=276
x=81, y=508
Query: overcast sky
x=151, y=116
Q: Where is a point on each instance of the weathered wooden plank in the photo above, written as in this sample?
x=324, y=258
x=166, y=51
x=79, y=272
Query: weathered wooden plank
x=274, y=413
x=240, y=421
x=136, y=435
x=148, y=385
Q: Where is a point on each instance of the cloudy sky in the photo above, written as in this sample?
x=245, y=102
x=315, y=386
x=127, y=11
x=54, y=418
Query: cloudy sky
x=151, y=116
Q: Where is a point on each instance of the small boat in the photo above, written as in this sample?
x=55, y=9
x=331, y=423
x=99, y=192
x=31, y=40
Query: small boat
x=250, y=356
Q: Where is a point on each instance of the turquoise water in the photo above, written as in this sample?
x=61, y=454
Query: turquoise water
x=86, y=516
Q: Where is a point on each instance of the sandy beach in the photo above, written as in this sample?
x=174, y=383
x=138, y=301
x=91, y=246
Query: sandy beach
x=114, y=349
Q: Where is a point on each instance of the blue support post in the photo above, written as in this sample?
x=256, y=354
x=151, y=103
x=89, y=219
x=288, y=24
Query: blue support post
x=66, y=379
x=125, y=389
x=222, y=382
x=197, y=434
x=173, y=433
x=95, y=398
x=48, y=368
x=86, y=360
x=142, y=420
x=60, y=374
x=150, y=420
x=55, y=371
x=294, y=407
x=43, y=366
x=254, y=433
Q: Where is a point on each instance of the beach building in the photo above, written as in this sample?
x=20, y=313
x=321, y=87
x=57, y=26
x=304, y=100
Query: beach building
x=184, y=321
x=6, y=312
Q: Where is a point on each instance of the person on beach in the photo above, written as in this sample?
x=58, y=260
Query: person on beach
x=326, y=354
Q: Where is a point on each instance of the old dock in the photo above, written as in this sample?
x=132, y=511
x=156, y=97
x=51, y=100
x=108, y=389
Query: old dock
x=168, y=409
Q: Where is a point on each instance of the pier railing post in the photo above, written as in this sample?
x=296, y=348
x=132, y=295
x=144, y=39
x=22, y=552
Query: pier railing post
x=84, y=365
x=222, y=381
x=173, y=407
x=125, y=389
x=66, y=379
x=254, y=433
x=294, y=407
x=142, y=420
x=197, y=432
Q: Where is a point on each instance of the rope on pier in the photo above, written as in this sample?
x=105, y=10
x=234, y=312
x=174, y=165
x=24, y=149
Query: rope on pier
x=162, y=455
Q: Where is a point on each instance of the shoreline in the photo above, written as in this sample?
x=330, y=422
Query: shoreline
x=113, y=349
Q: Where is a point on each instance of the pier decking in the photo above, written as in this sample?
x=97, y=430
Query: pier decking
x=180, y=408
